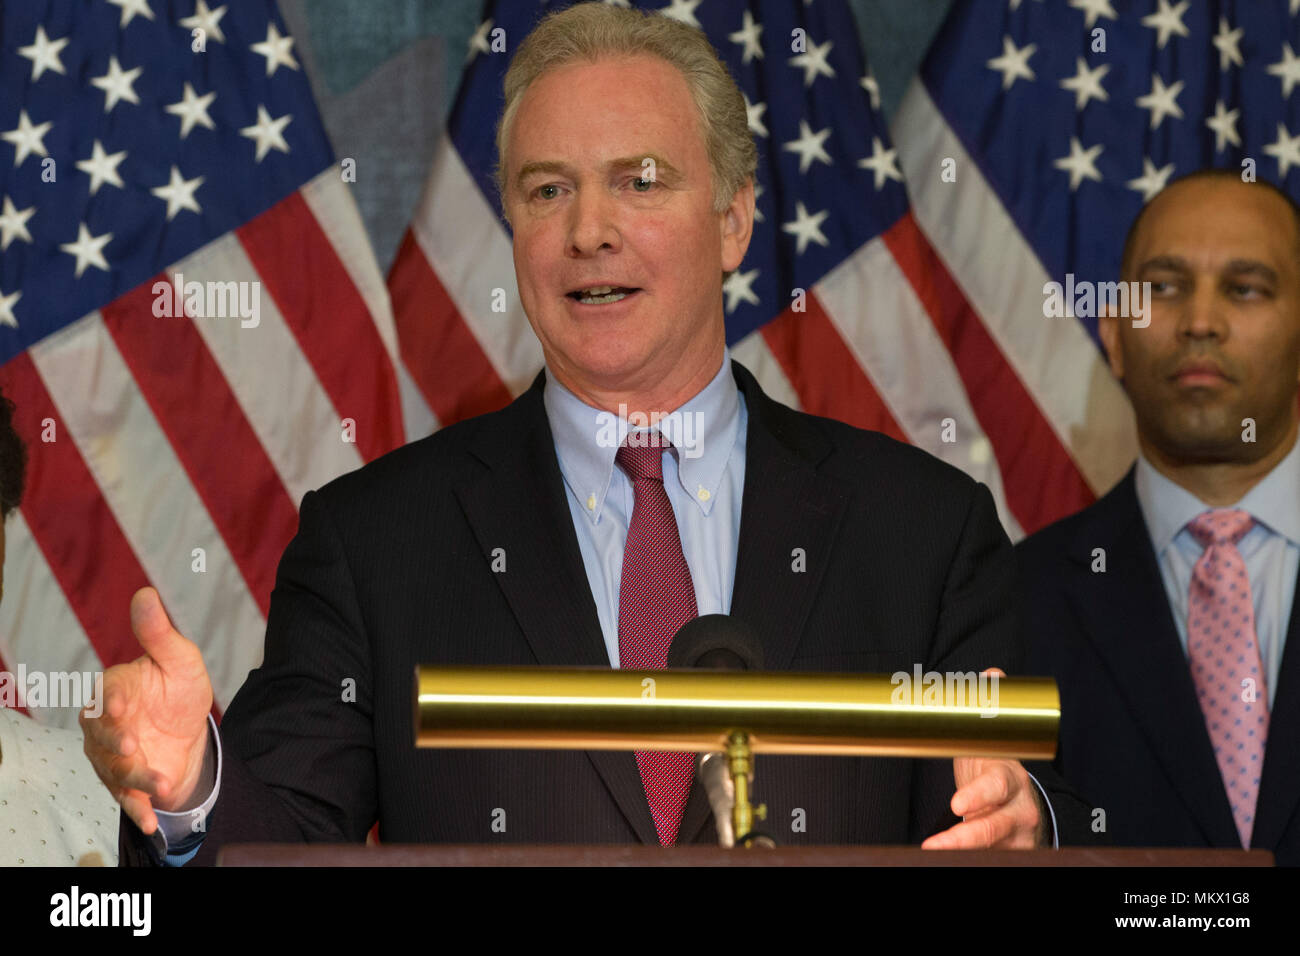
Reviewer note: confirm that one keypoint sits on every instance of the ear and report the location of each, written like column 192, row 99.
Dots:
column 737, row 226
column 1108, row 329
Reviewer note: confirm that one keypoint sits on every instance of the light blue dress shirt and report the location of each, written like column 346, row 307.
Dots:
column 704, row 480
column 704, row 477
column 1271, row 549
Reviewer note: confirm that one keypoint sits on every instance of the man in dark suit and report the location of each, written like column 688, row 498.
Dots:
column 528, row 536
column 1166, row 610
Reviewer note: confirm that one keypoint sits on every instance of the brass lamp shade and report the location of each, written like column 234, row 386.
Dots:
column 926, row 715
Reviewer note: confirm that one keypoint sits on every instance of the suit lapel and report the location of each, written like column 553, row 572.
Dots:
column 787, row 504
column 1279, row 789
column 1127, row 619
column 519, row 505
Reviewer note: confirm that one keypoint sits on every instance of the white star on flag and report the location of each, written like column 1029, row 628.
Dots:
column 740, row 287
column 1287, row 69
column 1086, row 83
column 1286, row 149
column 205, row 20
column 269, row 133
column 755, row 112
column 1228, row 43
column 117, row 84
column 179, row 193
column 132, row 9
column 683, row 11
column 44, row 54
column 478, row 43
column 806, row 228
column 27, row 138
column 1224, row 125
column 1167, row 21
column 882, row 162
column 102, row 168
column 192, row 109
column 809, row 146
column 1162, row 101
column 277, row 49
column 813, row 62
column 1013, row 64
column 869, row 84
column 1093, row 9
column 7, row 303
column 747, row 36
column 88, row 249
column 13, row 223
column 1081, row 163
column 1152, row 180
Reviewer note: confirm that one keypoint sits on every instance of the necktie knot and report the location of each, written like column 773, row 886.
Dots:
column 1221, row 526
column 644, row 459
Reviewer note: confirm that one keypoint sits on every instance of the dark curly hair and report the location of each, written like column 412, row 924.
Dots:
column 13, row 460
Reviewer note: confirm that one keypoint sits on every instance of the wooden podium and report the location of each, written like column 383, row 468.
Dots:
column 348, row 855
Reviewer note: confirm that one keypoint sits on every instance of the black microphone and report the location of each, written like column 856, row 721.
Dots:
column 720, row 642
column 716, row 641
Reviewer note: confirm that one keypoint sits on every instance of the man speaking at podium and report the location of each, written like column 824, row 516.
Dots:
column 530, row 536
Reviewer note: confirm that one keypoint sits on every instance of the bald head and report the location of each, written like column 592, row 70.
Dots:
column 1213, row 187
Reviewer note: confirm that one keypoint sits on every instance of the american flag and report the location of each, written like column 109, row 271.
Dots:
column 171, row 435
column 882, row 335
column 1061, row 119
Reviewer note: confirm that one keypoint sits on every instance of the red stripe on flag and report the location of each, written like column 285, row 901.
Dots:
column 70, row 521
column 449, row 366
column 824, row 373
column 302, row 272
column 206, row 427
column 4, row 668
column 1041, row 480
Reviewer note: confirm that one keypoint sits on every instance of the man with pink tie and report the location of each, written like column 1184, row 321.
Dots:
column 1166, row 610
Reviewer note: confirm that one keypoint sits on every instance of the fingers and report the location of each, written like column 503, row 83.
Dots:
column 978, row 834
column 994, row 786
column 137, row 806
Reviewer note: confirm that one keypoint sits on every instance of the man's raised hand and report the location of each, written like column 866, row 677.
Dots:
column 148, row 743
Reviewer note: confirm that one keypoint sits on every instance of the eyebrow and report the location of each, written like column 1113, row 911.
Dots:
column 550, row 166
column 1234, row 267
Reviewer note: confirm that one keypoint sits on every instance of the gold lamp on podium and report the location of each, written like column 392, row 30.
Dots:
column 738, row 713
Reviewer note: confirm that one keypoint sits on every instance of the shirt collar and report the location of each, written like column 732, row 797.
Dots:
column 1167, row 506
column 703, row 430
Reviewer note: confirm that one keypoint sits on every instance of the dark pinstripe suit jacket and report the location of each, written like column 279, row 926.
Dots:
column 1132, row 731
column 905, row 563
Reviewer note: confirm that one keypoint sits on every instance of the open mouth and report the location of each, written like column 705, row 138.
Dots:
column 602, row 294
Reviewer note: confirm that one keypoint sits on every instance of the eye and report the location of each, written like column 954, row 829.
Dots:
column 540, row 190
column 640, row 181
column 1241, row 290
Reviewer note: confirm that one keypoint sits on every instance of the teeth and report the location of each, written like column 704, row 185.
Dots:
column 598, row 290
column 587, row 299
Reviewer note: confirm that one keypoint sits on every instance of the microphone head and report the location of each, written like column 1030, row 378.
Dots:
column 716, row 641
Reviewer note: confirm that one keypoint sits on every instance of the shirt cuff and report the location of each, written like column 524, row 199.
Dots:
column 1056, row 844
column 180, row 833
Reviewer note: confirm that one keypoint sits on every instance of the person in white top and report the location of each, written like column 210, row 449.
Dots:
column 54, row 811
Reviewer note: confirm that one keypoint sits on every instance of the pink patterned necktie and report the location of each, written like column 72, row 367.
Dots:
column 655, row 598
column 1224, row 654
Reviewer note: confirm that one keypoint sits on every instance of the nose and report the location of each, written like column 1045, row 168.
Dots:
column 592, row 225
column 1202, row 317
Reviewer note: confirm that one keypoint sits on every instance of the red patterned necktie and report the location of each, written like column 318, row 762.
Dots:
column 1223, row 651
column 655, row 598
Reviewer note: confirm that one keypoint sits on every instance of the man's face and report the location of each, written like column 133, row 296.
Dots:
column 1224, row 340
column 586, row 212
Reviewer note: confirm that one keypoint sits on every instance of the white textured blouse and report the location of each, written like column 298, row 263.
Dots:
column 54, row 811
